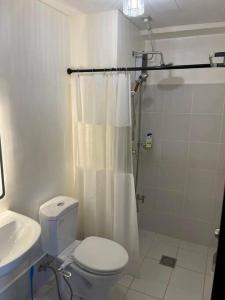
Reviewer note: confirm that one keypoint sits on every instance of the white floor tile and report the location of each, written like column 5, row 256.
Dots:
column 153, row 279
column 194, row 247
column 132, row 295
column 146, row 239
column 126, row 280
column 208, row 287
column 150, row 287
column 118, row 293
column 166, row 240
column 187, row 280
column 192, row 260
column 160, row 248
column 173, row 293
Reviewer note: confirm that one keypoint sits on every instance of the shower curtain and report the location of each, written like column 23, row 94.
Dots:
column 104, row 182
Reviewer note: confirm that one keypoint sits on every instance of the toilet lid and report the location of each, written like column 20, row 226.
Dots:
column 100, row 255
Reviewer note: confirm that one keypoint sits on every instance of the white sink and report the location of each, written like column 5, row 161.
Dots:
column 18, row 234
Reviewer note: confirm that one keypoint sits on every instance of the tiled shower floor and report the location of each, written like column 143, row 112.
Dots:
column 191, row 279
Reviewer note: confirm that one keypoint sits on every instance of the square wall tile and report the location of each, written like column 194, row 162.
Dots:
column 205, row 128
column 175, row 126
column 208, row 98
column 217, row 211
column 223, row 130
column 219, row 185
column 174, row 153
column 177, row 99
column 221, row 158
column 196, row 231
column 152, row 99
column 203, row 155
column 162, row 223
column 197, row 206
column 148, row 174
column 172, row 178
column 170, row 202
column 201, row 182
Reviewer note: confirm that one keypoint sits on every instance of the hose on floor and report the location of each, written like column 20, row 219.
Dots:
column 69, row 286
column 56, row 280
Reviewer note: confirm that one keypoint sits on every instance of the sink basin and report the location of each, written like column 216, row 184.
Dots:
column 18, row 234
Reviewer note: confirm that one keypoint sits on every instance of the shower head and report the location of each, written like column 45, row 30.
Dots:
column 142, row 78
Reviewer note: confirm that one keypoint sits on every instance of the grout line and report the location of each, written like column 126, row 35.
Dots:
column 181, row 114
column 142, row 293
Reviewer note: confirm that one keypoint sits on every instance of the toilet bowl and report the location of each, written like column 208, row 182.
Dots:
column 95, row 263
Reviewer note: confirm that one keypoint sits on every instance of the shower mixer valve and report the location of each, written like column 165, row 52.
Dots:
column 140, row 198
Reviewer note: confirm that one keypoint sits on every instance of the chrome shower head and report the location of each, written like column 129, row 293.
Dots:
column 142, row 78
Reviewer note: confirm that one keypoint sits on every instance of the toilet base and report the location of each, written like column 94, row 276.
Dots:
column 95, row 288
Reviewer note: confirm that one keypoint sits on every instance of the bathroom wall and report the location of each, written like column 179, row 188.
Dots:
column 34, row 117
column 183, row 175
column 34, row 107
column 104, row 39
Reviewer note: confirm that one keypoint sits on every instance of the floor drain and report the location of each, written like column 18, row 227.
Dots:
column 168, row 261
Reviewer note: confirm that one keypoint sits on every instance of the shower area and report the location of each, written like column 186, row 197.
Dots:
column 178, row 151
column 178, row 154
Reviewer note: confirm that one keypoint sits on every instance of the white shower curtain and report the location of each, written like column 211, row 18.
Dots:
column 104, row 182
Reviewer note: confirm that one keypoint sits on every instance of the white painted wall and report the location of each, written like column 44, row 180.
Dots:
column 34, row 107
column 94, row 40
column 104, row 39
column 128, row 40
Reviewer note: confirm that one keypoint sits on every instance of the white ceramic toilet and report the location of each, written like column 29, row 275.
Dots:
column 95, row 263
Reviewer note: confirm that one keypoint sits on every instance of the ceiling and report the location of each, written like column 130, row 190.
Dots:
column 164, row 12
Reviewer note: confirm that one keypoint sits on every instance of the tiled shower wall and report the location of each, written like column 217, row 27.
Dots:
column 182, row 177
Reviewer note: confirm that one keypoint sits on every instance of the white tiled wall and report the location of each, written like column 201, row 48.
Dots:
column 183, row 175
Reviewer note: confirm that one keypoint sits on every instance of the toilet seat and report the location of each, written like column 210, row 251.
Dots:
column 100, row 256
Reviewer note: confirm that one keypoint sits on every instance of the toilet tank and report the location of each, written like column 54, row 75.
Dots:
column 58, row 219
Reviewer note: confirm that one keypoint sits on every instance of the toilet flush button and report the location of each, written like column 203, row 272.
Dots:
column 60, row 204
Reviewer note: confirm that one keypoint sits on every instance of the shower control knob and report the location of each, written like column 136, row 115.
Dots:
column 142, row 198
column 217, row 233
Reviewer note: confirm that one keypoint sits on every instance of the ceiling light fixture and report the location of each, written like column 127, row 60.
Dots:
column 133, row 8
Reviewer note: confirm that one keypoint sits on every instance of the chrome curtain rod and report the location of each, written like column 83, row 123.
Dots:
column 157, row 68
column 212, row 64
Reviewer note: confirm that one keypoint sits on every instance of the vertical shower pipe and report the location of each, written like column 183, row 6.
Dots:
column 140, row 99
